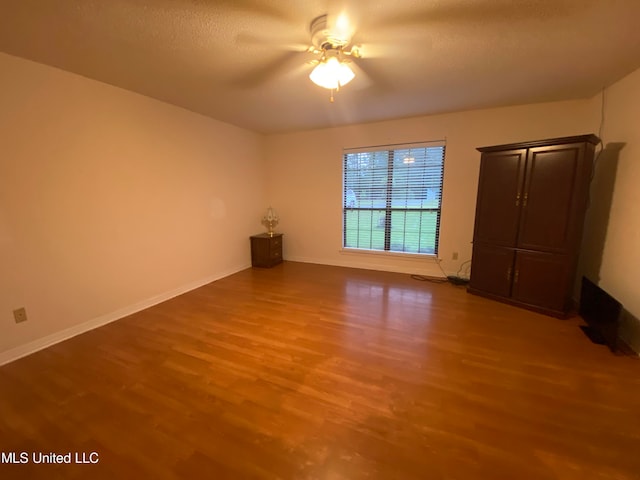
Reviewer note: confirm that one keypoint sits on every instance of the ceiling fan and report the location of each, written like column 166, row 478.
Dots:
column 331, row 45
column 332, row 69
column 384, row 31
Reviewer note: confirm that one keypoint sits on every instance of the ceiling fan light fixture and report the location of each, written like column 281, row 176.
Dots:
column 332, row 73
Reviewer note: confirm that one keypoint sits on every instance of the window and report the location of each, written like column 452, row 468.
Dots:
column 391, row 198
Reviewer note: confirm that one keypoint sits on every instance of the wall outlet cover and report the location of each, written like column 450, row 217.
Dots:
column 20, row 315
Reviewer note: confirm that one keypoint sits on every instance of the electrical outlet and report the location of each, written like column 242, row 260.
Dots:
column 20, row 315
column 454, row 256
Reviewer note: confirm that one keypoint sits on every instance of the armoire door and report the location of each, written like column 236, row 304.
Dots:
column 492, row 269
column 548, row 205
column 541, row 279
column 499, row 197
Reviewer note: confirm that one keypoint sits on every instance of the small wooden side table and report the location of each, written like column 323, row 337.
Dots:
column 266, row 250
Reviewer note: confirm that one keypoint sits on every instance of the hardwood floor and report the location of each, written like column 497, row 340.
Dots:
column 314, row 372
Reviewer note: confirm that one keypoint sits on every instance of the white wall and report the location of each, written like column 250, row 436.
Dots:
column 111, row 201
column 611, row 250
column 620, row 271
column 305, row 176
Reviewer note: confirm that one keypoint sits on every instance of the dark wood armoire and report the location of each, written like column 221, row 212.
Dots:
column 532, row 198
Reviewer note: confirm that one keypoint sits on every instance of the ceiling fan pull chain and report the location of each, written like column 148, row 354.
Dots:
column 331, row 98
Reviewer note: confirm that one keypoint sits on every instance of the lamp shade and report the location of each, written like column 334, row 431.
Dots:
column 332, row 74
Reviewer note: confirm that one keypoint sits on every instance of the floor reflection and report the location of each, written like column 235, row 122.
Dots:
column 392, row 320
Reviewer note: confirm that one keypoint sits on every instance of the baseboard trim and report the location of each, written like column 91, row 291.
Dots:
column 34, row 346
column 417, row 267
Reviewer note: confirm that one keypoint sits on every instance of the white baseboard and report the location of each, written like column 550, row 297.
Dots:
column 400, row 267
column 27, row 349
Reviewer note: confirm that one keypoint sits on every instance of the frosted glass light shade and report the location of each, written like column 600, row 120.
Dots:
column 331, row 74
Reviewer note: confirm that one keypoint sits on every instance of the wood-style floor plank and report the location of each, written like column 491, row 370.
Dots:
column 305, row 371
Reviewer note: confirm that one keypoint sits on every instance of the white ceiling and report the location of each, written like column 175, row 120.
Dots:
column 243, row 61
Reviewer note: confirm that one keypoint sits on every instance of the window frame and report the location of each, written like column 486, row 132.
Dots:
column 391, row 151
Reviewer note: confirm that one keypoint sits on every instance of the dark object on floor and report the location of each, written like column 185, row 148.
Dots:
column 457, row 280
column 602, row 313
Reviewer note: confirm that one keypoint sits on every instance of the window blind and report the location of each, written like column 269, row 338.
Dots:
column 392, row 197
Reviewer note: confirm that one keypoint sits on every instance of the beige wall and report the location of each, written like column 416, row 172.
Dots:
column 611, row 247
column 111, row 201
column 304, row 172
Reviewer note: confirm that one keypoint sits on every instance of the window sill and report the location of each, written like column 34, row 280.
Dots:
column 359, row 251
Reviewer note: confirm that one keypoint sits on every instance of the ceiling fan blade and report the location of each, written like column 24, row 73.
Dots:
column 366, row 77
column 362, row 79
column 391, row 48
column 255, row 7
column 271, row 43
column 283, row 65
column 495, row 10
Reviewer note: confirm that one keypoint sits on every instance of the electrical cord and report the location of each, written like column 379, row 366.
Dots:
column 596, row 157
column 422, row 278
column 452, row 279
column 462, row 265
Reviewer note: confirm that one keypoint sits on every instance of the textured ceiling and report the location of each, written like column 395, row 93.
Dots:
column 243, row 61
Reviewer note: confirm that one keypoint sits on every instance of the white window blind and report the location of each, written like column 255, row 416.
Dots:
column 392, row 197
